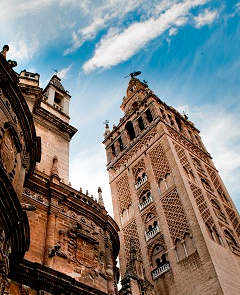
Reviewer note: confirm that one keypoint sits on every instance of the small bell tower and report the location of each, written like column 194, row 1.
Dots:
column 50, row 109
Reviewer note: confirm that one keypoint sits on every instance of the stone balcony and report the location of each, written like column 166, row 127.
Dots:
column 160, row 270
column 152, row 233
column 141, row 182
column 145, row 203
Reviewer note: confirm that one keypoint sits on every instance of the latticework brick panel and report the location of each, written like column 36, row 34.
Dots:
column 123, row 191
column 175, row 215
column 159, row 162
column 130, row 232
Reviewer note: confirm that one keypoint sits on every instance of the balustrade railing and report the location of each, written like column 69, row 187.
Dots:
column 152, row 233
column 160, row 270
column 141, row 182
column 145, row 203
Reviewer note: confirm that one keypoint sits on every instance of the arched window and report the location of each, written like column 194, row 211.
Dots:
column 179, row 123
column 180, row 251
column 162, row 186
column 230, row 240
column 149, row 116
column 158, row 256
column 165, row 183
column 140, row 123
column 189, row 244
column 169, row 180
column 217, row 210
column 120, row 143
column 113, row 150
column 130, row 130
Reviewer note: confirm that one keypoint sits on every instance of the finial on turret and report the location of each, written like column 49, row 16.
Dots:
column 100, row 198
column 185, row 115
column 107, row 131
column 5, row 50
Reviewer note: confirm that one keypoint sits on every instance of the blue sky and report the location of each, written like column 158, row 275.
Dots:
column 188, row 51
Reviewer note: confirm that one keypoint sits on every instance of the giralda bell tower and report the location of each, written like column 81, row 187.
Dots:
column 179, row 229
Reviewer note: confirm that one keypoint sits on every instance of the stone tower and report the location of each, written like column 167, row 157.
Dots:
column 73, row 241
column 170, row 202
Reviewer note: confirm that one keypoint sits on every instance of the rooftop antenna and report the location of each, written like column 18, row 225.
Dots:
column 134, row 74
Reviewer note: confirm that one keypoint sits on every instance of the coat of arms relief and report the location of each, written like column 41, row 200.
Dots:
column 80, row 246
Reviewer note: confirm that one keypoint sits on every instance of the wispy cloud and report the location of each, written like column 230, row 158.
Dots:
column 99, row 18
column 220, row 132
column 118, row 46
column 205, row 18
column 82, row 167
column 23, row 48
column 63, row 74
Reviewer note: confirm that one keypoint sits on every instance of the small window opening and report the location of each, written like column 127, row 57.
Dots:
column 149, row 116
column 57, row 98
column 120, row 143
column 113, row 150
column 140, row 123
column 130, row 130
column 179, row 123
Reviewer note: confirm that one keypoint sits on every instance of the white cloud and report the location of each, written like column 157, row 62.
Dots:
column 23, row 48
column 220, row 133
column 116, row 47
column 173, row 32
column 205, row 18
column 100, row 16
column 63, row 74
column 88, row 170
column 76, row 43
column 21, row 8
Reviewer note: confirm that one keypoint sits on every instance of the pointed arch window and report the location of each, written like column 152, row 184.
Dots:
column 149, row 115
column 234, row 247
column 130, row 130
column 160, row 261
column 140, row 123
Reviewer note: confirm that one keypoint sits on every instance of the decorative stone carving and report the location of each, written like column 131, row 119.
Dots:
column 159, row 162
column 24, row 290
column 175, row 215
column 123, row 190
column 83, row 246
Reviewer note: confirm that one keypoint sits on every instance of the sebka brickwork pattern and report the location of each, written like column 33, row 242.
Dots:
column 175, row 215
column 159, row 162
column 123, row 191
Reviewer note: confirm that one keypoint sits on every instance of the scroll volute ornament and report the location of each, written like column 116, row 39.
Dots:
column 10, row 146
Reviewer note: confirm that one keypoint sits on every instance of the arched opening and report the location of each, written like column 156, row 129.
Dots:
column 140, row 123
column 180, row 251
column 169, row 180
column 230, row 240
column 130, row 130
column 149, row 116
column 179, row 123
column 189, row 244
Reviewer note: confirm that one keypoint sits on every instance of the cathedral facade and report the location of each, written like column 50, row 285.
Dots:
column 179, row 229
column 54, row 239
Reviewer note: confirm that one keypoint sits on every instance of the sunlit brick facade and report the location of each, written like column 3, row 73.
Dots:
column 69, row 241
column 179, row 229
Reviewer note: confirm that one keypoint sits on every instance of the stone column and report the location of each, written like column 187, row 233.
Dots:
column 50, row 235
column 136, row 128
column 109, row 267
